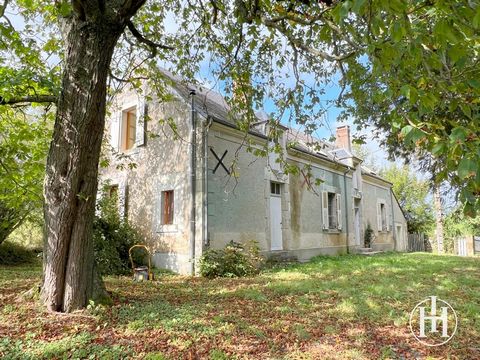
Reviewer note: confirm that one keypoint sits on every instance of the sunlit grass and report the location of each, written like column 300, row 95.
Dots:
column 333, row 307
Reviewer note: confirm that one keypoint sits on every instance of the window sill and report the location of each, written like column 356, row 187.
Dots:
column 165, row 229
column 131, row 151
column 332, row 231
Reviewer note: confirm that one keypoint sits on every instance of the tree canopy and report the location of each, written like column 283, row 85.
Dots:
column 409, row 68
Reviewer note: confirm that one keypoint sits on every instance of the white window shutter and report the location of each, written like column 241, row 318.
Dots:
column 325, row 209
column 379, row 216
column 140, row 128
column 115, row 130
column 122, row 199
column 387, row 216
column 339, row 211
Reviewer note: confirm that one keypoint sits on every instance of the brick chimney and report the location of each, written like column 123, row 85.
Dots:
column 343, row 138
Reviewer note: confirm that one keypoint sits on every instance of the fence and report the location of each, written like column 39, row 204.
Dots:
column 467, row 245
column 416, row 242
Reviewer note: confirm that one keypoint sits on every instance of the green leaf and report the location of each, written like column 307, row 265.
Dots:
column 466, row 110
column 467, row 168
column 474, row 83
column 438, row 149
column 476, row 18
column 458, row 134
column 358, row 6
column 412, row 134
column 398, row 31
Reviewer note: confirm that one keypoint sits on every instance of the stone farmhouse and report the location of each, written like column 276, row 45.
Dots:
column 195, row 186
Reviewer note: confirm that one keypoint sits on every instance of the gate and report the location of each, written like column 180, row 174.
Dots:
column 416, row 242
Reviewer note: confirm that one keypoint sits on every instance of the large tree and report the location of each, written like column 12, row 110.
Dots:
column 284, row 51
column 419, row 84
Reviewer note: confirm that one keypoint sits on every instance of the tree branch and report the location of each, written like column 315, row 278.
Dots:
column 3, row 7
column 29, row 99
column 301, row 45
column 153, row 46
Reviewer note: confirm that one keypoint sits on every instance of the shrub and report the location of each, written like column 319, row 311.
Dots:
column 234, row 260
column 112, row 239
column 14, row 254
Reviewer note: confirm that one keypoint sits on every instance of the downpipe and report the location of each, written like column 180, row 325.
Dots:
column 193, row 184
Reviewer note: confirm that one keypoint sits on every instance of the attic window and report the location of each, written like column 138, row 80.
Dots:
column 275, row 188
column 129, row 128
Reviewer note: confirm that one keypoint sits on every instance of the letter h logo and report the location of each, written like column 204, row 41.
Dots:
column 433, row 318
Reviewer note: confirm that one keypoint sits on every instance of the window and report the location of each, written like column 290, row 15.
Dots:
column 382, row 216
column 275, row 188
column 167, row 207
column 129, row 129
column 331, row 211
column 383, row 213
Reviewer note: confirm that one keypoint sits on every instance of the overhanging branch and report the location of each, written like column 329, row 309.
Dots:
column 152, row 45
column 29, row 99
column 301, row 45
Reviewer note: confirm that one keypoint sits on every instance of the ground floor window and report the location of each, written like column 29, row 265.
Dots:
column 331, row 208
column 167, row 207
column 382, row 216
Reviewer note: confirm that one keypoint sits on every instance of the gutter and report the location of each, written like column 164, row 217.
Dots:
column 193, row 184
column 393, row 222
column 346, row 209
column 208, row 123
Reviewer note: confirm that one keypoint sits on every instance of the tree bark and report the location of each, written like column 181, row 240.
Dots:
column 438, row 218
column 72, row 164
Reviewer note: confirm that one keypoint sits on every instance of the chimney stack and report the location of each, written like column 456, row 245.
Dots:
column 343, row 138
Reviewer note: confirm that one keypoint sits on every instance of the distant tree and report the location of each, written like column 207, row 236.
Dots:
column 24, row 141
column 368, row 158
column 413, row 195
column 456, row 225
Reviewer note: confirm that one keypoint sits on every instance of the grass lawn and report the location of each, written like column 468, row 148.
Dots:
column 346, row 307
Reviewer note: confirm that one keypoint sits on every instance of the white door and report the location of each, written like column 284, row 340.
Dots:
column 276, row 217
column 357, row 226
column 399, row 236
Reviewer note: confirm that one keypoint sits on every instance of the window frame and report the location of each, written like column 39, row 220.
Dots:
column 167, row 213
column 126, row 128
column 332, row 210
column 275, row 188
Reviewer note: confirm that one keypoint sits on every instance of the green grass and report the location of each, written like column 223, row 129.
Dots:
column 346, row 307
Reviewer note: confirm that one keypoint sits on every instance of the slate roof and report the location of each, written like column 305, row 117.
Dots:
column 210, row 103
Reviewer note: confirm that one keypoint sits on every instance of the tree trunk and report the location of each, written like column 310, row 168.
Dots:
column 438, row 218
column 72, row 164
